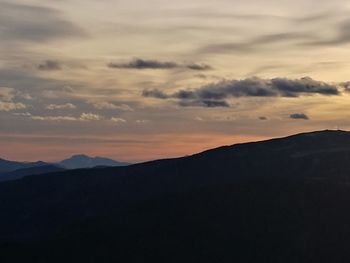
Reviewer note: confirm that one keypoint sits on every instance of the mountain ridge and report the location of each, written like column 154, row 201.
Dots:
column 12, row 170
column 251, row 202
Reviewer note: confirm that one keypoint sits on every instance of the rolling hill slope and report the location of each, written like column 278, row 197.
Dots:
column 281, row 200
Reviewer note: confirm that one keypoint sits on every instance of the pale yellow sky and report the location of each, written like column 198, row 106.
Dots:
column 139, row 80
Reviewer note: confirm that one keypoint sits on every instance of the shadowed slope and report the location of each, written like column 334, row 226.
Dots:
column 282, row 200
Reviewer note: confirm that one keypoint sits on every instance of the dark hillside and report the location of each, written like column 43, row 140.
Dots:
column 282, row 200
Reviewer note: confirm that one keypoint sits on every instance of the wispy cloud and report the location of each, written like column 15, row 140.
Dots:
column 340, row 36
column 50, row 65
column 61, row 106
column 10, row 106
column 21, row 22
column 54, row 118
column 90, row 117
column 258, row 42
column 118, row 120
column 82, row 117
column 7, row 94
column 104, row 105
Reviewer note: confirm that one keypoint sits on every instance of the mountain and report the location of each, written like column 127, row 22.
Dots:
column 9, row 166
column 11, row 170
column 84, row 161
column 281, row 200
column 20, row 173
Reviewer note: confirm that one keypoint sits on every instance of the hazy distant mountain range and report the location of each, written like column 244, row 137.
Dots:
column 11, row 170
column 282, row 200
column 9, row 166
column 84, row 161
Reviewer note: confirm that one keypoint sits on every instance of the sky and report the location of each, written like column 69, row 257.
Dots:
column 139, row 80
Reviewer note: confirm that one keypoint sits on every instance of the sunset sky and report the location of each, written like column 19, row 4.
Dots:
column 138, row 80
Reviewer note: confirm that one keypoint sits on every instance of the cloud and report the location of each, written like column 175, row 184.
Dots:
column 21, row 22
column 82, row 117
column 54, row 118
column 257, row 42
column 144, row 64
column 90, row 117
column 155, row 93
column 187, row 98
column 110, row 106
column 119, row 120
column 254, row 17
column 23, row 114
column 142, row 121
column 10, row 106
column 50, row 65
column 299, row 116
column 263, row 118
column 10, row 94
column 27, row 85
column 199, row 119
column 7, row 94
column 204, row 103
column 342, row 36
column 196, row 66
column 155, row 64
column 25, row 96
column 303, row 86
column 61, row 106
column 216, row 94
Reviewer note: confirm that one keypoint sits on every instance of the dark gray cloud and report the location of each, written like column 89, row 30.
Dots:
column 216, row 94
column 299, row 116
column 195, row 66
column 345, row 85
column 155, row 64
column 144, row 64
column 294, row 88
column 186, row 98
column 204, row 103
column 50, row 65
column 20, row 22
column 155, row 93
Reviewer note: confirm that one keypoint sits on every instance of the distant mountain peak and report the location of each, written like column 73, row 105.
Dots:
column 81, row 156
column 78, row 161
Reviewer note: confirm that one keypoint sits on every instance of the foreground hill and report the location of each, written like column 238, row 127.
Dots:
column 282, row 200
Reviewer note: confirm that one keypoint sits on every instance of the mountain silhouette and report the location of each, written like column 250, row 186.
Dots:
column 84, row 161
column 280, row 200
column 20, row 173
column 9, row 166
column 12, row 170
